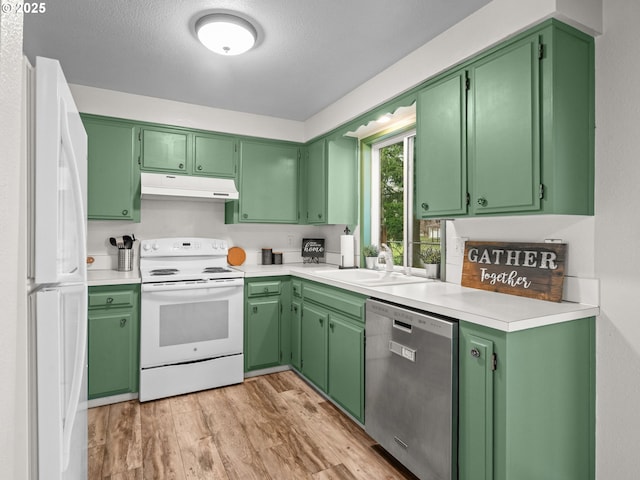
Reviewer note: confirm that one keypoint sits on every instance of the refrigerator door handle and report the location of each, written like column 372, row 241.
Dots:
column 76, row 385
column 67, row 143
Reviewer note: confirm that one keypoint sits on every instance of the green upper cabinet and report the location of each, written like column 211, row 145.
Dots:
column 527, row 402
column 214, row 155
column 268, row 182
column 510, row 131
column 330, row 185
column 113, row 176
column 503, row 130
column 165, row 149
column 441, row 149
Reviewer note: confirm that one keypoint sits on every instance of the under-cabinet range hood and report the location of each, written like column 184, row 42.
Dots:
column 156, row 185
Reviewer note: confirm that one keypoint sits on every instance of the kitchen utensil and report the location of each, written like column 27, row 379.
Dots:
column 128, row 241
column 113, row 241
column 236, row 256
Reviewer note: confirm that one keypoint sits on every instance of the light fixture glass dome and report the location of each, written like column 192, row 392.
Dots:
column 226, row 34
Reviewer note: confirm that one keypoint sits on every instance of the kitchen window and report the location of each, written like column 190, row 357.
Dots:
column 392, row 216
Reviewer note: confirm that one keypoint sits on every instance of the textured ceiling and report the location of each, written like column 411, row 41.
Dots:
column 309, row 52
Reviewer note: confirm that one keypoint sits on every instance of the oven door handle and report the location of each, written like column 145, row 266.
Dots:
column 200, row 285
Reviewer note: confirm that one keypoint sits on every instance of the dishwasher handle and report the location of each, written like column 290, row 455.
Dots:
column 402, row 351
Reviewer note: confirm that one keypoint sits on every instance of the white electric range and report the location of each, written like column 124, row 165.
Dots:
column 191, row 327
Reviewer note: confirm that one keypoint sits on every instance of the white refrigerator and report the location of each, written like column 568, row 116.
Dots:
column 57, row 275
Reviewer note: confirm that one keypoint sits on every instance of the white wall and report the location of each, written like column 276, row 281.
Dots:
column 617, row 227
column 13, row 339
column 190, row 218
column 491, row 24
column 138, row 107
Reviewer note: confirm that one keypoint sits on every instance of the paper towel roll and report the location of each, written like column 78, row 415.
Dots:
column 347, row 248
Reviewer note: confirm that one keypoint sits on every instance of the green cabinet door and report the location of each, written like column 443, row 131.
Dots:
column 441, row 148
column 342, row 180
column 475, row 445
column 165, row 149
column 214, row 155
column 112, row 353
column 504, row 130
column 262, row 334
column 530, row 412
column 113, row 173
column 331, row 181
column 314, row 344
column 113, row 340
column 346, row 364
column 296, row 328
column 316, row 183
column 268, row 182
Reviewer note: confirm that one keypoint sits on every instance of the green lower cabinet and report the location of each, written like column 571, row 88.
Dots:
column 313, row 340
column 113, row 341
column 262, row 333
column 332, row 344
column 346, row 364
column 267, row 329
column 529, row 412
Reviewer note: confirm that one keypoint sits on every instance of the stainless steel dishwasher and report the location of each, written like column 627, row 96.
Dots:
column 411, row 402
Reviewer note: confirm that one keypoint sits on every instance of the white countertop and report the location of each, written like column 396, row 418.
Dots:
column 508, row 313
column 97, row 277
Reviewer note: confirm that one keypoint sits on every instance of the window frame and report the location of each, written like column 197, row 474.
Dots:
column 372, row 197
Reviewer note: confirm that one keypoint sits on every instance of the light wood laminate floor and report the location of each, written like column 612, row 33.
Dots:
column 269, row 427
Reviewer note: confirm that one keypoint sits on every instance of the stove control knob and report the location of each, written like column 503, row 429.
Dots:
column 155, row 247
column 223, row 245
column 146, row 247
column 215, row 245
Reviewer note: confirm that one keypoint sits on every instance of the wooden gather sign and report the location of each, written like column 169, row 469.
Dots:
column 533, row 270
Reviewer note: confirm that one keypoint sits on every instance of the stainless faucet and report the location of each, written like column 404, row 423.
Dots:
column 388, row 257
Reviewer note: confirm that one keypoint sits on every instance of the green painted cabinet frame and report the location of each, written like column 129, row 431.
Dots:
column 113, row 340
column 533, row 416
column 113, row 173
column 510, row 131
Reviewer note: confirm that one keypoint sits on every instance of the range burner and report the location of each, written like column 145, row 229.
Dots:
column 215, row 270
column 163, row 271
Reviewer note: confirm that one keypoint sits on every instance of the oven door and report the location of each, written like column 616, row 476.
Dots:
column 190, row 321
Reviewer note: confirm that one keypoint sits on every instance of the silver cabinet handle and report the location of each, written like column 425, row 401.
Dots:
column 110, row 300
column 475, row 353
column 482, row 202
column 123, row 322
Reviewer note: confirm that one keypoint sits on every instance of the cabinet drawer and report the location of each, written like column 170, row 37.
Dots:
column 255, row 289
column 111, row 299
column 344, row 302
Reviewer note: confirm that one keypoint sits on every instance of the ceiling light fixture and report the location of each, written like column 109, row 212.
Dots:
column 226, row 34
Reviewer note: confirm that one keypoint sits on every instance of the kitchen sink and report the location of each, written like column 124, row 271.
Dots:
column 368, row 278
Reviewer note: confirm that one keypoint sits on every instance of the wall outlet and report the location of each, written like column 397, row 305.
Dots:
column 290, row 240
